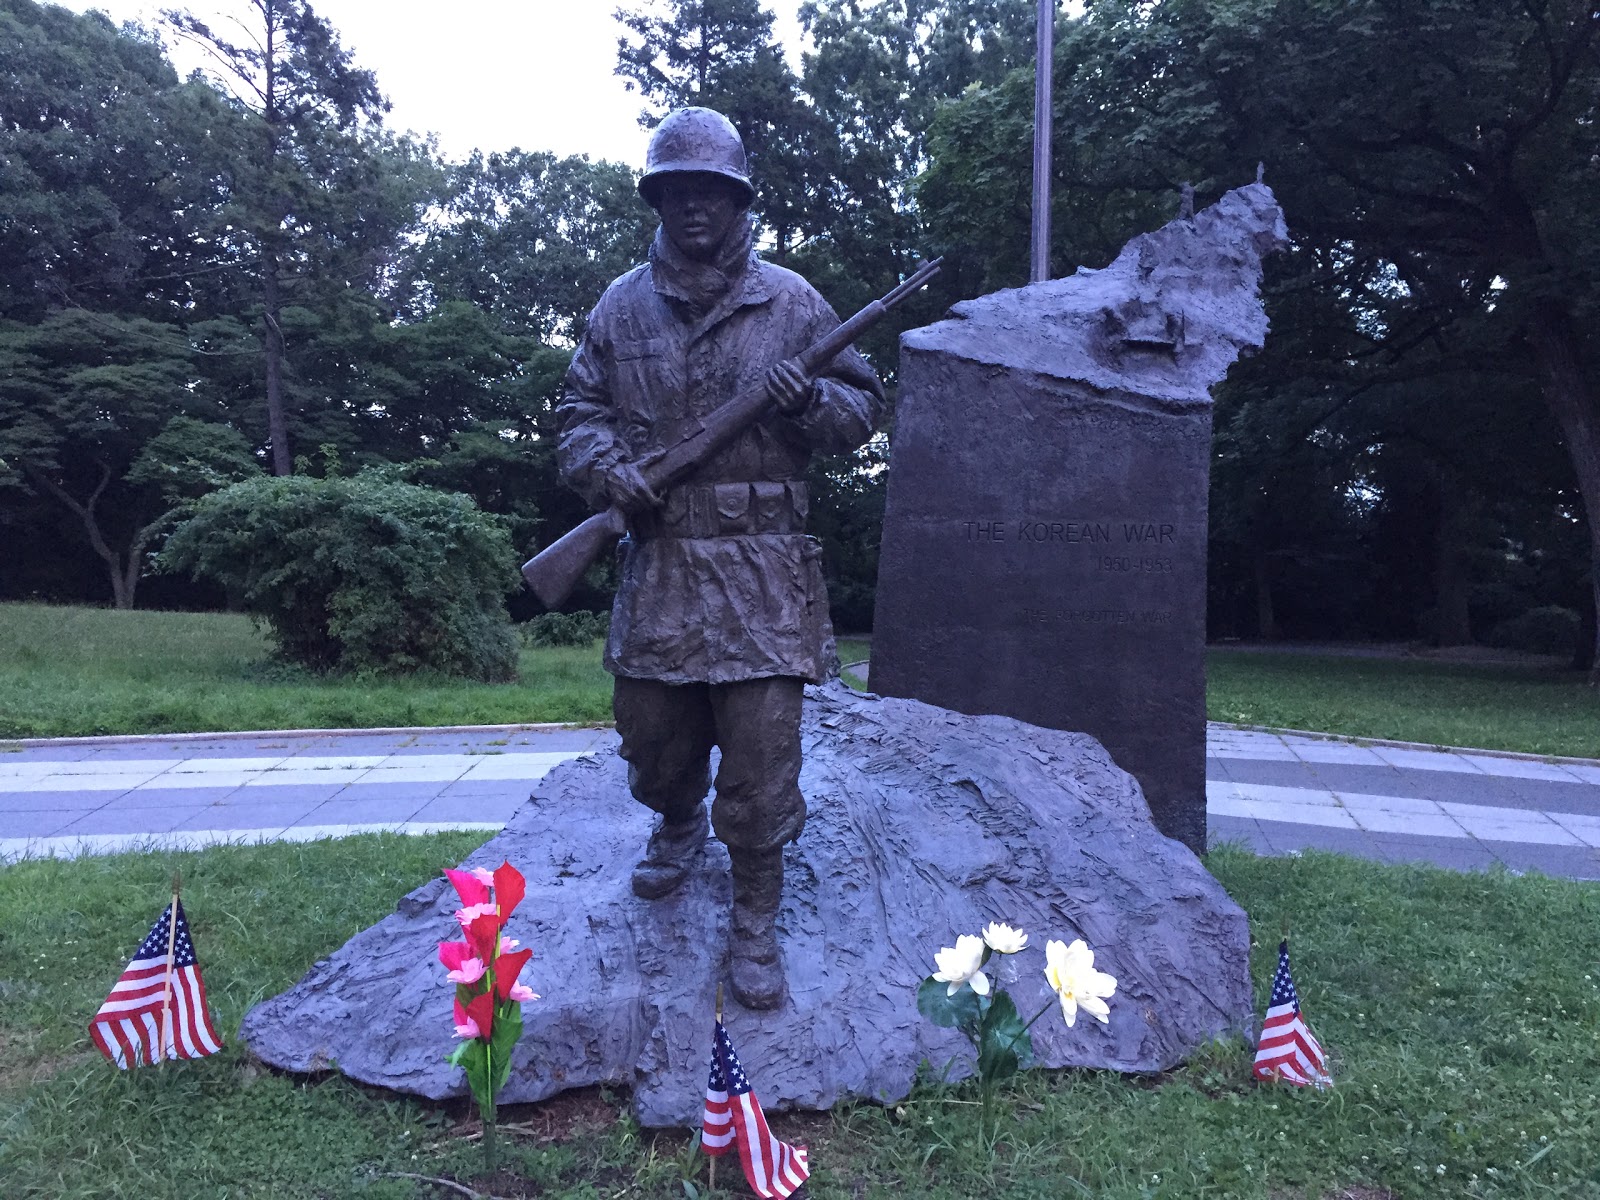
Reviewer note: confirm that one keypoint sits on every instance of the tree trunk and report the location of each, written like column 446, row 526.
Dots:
column 277, row 427
column 1573, row 403
column 1266, row 619
column 1450, row 578
column 1583, row 652
column 123, row 573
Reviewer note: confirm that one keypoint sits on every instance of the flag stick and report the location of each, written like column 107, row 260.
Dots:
column 166, row 995
column 711, row 1183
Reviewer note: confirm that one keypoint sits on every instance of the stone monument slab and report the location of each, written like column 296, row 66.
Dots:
column 1044, row 542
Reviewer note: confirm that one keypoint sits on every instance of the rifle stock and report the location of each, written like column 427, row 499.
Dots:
column 555, row 570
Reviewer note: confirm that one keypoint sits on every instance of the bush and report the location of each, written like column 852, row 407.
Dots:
column 566, row 629
column 1548, row 630
column 360, row 574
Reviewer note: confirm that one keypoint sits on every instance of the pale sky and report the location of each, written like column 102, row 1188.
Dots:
column 489, row 74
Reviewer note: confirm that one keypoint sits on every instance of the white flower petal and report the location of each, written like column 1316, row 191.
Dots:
column 1003, row 939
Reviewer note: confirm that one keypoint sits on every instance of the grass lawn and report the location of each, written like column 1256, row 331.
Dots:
column 76, row 671
column 1537, row 710
column 1460, row 1013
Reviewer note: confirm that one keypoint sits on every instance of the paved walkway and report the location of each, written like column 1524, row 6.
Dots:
column 1277, row 793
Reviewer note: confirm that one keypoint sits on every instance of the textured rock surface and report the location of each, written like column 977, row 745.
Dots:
column 924, row 824
column 1044, row 544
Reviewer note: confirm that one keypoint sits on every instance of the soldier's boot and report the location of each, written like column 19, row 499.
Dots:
column 674, row 849
column 757, row 966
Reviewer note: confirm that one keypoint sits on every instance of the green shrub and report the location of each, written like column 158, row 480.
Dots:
column 360, row 574
column 1547, row 630
column 566, row 629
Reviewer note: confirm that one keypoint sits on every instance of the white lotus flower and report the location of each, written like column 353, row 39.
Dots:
column 1071, row 975
column 961, row 964
column 1003, row 939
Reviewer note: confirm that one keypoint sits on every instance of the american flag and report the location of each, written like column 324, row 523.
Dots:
column 1287, row 1050
column 129, row 1026
column 733, row 1114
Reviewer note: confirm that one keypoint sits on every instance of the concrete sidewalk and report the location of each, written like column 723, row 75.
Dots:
column 1275, row 792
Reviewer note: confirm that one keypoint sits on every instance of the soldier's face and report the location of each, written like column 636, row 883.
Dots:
column 697, row 212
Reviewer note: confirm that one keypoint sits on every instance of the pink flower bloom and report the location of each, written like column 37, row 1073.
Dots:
column 471, row 889
column 453, row 954
column 509, row 888
column 483, row 875
column 483, row 935
column 521, row 992
column 507, row 970
column 466, row 1023
column 466, row 916
column 507, row 945
column 470, row 971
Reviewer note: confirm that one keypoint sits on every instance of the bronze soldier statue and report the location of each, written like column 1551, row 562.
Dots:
column 721, row 616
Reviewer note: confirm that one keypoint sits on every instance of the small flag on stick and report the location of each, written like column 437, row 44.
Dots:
column 1287, row 1050
column 158, row 1008
column 733, row 1115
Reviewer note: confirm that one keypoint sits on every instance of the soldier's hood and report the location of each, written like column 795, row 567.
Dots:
column 703, row 285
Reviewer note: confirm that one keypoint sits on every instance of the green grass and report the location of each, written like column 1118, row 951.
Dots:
column 78, row 671
column 1460, row 1012
column 1536, row 710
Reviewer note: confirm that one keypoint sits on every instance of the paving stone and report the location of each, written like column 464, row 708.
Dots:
column 1571, row 862
column 266, row 817
column 1552, row 796
column 1456, row 854
column 39, row 822
column 260, row 793
column 472, row 808
column 1490, row 824
column 1285, row 838
column 153, row 799
column 387, row 811
column 51, row 801
column 1288, row 772
column 400, row 794
column 112, row 819
column 1244, row 831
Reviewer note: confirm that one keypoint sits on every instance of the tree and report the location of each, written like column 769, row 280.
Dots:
column 317, row 194
column 98, row 415
column 722, row 54
column 1430, row 154
column 102, row 189
column 531, row 239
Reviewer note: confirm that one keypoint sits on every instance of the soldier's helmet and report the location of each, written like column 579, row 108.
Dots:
column 694, row 140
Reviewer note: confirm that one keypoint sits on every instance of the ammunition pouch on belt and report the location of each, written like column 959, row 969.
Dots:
column 726, row 510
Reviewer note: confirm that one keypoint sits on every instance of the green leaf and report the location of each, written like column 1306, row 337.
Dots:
column 507, row 1030
column 1004, row 1043
column 472, row 1057
column 960, row 1011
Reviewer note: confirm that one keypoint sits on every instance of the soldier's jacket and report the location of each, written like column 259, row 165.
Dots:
column 720, row 584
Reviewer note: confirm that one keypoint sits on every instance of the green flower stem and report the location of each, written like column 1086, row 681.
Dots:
column 1049, row 1004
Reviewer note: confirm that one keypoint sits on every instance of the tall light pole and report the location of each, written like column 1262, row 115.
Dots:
column 1041, row 142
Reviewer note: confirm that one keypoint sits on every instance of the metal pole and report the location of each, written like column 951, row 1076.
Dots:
column 1041, row 142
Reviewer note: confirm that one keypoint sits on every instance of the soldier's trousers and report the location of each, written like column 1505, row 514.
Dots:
column 667, row 734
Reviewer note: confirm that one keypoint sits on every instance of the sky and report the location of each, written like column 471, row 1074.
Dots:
column 486, row 74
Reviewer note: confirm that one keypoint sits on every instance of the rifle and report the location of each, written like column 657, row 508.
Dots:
column 555, row 570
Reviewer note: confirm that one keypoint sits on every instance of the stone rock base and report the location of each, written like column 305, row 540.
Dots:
column 924, row 824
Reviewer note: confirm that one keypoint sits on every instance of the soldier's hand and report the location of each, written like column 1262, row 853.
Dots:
column 628, row 490
column 789, row 386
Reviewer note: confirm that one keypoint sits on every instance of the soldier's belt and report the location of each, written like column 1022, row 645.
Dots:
column 726, row 510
